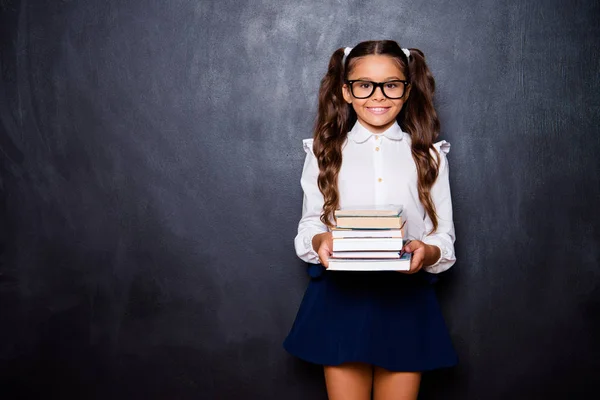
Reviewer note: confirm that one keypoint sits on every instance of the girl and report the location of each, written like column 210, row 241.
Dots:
column 375, row 332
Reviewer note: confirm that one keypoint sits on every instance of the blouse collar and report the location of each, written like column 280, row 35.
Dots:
column 360, row 134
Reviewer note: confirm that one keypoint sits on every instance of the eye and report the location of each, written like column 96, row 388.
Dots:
column 391, row 85
column 364, row 85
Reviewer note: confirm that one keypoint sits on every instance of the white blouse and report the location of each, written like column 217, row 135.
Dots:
column 379, row 169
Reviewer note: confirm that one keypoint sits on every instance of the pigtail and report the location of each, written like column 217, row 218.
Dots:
column 419, row 118
column 330, row 132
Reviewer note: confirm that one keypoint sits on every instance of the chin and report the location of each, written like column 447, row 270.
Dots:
column 380, row 124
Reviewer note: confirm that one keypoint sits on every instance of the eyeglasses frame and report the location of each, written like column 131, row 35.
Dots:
column 377, row 85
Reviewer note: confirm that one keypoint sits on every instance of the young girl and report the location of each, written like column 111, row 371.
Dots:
column 375, row 332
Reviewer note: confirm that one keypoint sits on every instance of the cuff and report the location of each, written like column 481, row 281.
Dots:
column 445, row 255
column 315, row 269
column 312, row 256
column 435, row 264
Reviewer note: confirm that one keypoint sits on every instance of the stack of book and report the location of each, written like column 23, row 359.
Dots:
column 369, row 239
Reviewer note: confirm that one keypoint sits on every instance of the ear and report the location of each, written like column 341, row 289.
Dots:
column 347, row 94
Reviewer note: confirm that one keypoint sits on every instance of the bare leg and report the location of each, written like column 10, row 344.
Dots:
column 389, row 385
column 349, row 381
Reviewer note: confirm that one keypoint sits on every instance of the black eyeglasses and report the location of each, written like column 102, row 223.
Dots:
column 391, row 89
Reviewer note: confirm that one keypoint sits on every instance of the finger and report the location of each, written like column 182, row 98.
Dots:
column 410, row 246
column 413, row 245
column 416, row 262
column 324, row 257
column 417, row 258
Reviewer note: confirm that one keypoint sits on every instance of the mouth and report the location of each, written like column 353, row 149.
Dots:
column 378, row 110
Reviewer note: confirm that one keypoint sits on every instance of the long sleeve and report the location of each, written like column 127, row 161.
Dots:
column 310, row 224
column 444, row 236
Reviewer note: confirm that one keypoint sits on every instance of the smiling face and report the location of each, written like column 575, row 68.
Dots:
column 376, row 113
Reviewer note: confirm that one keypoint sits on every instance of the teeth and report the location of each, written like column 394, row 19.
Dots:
column 377, row 109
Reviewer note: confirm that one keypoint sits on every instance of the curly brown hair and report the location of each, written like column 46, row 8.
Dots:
column 335, row 117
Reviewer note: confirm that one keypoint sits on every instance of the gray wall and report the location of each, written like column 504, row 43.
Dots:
column 150, row 164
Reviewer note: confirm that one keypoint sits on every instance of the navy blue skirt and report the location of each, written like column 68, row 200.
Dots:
column 388, row 319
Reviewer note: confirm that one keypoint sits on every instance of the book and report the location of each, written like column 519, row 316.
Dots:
column 338, row 233
column 366, row 254
column 369, row 222
column 388, row 216
column 368, row 244
column 402, row 264
column 388, row 210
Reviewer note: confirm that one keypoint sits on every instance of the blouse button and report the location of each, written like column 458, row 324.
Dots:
column 376, row 148
column 379, row 180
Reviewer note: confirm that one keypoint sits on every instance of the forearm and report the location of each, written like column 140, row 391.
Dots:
column 317, row 240
column 432, row 255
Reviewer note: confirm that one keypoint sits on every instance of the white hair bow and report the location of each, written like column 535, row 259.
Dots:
column 347, row 51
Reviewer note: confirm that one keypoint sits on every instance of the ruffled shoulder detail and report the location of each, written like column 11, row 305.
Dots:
column 442, row 147
column 308, row 145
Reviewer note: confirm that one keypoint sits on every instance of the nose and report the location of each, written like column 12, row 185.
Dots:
column 378, row 94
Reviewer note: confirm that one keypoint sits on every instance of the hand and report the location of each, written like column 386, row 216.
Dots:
column 422, row 255
column 323, row 245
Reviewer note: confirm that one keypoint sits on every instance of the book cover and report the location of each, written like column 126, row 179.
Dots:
column 402, row 264
column 383, row 222
column 389, row 210
column 366, row 254
column 367, row 244
column 338, row 233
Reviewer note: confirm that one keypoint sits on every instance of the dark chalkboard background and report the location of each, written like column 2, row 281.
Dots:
column 149, row 175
